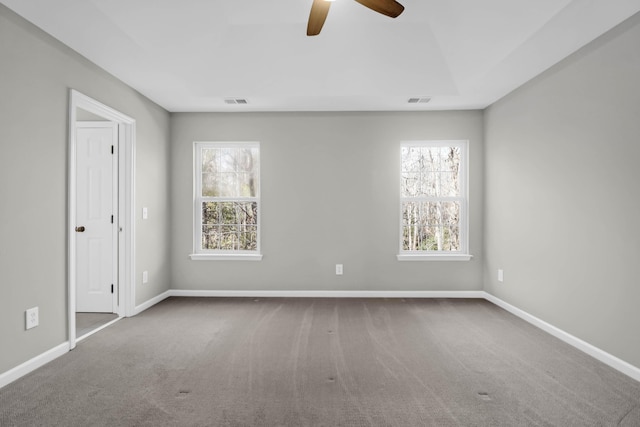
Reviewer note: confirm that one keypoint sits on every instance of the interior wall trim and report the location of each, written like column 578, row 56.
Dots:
column 32, row 364
column 593, row 351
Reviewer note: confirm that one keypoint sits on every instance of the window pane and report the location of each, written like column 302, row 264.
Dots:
column 430, row 171
column 411, row 159
column 210, row 237
column 228, row 159
column 228, row 237
column 210, row 185
column 249, row 238
column 210, row 213
column 210, row 160
column 451, row 238
column 247, row 213
column 440, row 213
column 410, row 184
column 227, row 184
column 449, row 184
column 230, row 172
column 431, row 226
column 230, row 225
column 430, row 159
column 430, row 184
column 248, row 185
column 431, row 238
column 228, row 213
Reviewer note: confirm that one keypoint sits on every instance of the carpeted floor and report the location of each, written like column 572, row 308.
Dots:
column 87, row 322
column 322, row 362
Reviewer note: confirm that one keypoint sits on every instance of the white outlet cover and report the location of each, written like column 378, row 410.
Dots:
column 339, row 269
column 145, row 276
column 500, row 276
column 32, row 318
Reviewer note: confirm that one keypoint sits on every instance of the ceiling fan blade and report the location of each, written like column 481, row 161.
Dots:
column 386, row 7
column 319, row 12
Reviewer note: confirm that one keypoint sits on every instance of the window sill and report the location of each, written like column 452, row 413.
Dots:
column 226, row 257
column 434, row 257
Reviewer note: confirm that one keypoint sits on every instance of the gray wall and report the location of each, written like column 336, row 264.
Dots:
column 330, row 194
column 36, row 73
column 562, row 199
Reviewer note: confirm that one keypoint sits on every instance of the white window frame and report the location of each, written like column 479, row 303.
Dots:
column 462, row 254
column 200, row 254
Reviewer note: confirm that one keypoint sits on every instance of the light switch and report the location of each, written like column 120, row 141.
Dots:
column 145, row 213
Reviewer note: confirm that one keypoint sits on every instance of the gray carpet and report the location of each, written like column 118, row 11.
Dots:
column 87, row 322
column 322, row 362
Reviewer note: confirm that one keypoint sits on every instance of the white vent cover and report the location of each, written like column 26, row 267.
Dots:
column 421, row 100
column 235, row 101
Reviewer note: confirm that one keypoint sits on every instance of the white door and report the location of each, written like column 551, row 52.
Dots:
column 96, row 234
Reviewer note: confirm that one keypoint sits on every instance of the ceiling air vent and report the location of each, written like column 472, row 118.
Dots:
column 422, row 100
column 234, row 101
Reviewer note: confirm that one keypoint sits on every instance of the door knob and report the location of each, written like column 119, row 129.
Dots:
column 80, row 229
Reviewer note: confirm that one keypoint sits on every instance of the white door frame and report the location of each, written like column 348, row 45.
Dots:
column 126, row 206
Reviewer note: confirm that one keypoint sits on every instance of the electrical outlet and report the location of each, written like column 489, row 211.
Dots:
column 500, row 275
column 31, row 316
column 145, row 276
column 339, row 269
column 145, row 213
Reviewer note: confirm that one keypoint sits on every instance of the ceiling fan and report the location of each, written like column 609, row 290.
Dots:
column 320, row 10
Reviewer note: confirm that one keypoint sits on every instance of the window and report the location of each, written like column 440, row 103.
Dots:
column 227, row 200
column 433, row 201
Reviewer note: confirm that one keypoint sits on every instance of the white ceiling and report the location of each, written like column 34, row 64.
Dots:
column 189, row 55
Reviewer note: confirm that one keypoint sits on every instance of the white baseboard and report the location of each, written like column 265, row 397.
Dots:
column 593, row 351
column 329, row 294
column 32, row 364
column 150, row 303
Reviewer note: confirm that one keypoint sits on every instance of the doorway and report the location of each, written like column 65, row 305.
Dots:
column 101, row 219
